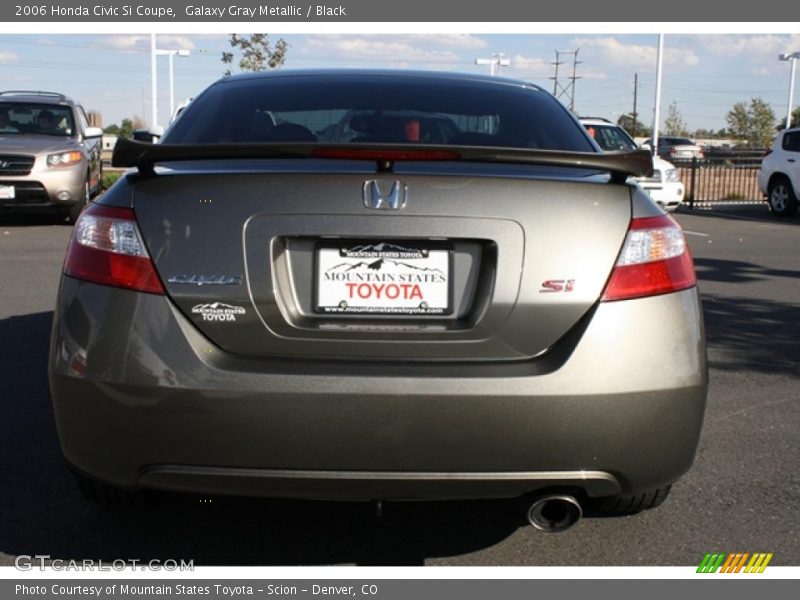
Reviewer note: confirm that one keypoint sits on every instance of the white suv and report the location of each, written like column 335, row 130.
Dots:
column 664, row 187
column 779, row 176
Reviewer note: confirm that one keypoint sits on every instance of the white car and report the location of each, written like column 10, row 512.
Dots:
column 779, row 176
column 664, row 187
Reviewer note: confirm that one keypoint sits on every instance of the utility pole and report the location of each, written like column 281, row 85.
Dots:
column 635, row 90
column 557, row 64
column 568, row 90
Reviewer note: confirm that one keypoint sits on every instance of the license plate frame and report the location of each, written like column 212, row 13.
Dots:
column 426, row 264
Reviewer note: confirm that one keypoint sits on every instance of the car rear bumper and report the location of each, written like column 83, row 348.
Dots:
column 668, row 195
column 141, row 399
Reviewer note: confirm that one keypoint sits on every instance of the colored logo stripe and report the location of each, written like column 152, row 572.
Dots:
column 734, row 562
column 711, row 563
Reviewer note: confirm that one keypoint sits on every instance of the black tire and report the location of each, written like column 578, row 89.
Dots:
column 628, row 505
column 76, row 209
column 781, row 197
column 109, row 496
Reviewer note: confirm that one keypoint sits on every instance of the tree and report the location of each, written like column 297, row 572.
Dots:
column 754, row 123
column 763, row 124
column 634, row 128
column 738, row 120
column 795, row 120
column 138, row 123
column 257, row 55
column 674, row 123
column 123, row 130
column 704, row 133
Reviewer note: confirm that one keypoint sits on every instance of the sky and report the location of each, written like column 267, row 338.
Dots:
column 704, row 75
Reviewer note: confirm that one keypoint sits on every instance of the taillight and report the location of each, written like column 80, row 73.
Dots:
column 107, row 248
column 655, row 259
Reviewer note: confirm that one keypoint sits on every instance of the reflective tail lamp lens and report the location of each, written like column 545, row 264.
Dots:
column 654, row 259
column 107, row 248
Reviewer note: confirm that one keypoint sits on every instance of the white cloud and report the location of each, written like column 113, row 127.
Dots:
column 633, row 56
column 453, row 40
column 386, row 48
column 137, row 43
column 753, row 46
column 8, row 57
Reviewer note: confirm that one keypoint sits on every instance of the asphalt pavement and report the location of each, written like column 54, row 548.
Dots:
column 741, row 495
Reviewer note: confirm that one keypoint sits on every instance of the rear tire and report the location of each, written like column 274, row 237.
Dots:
column 109, row 496
column 628, row 505
column 781, row 197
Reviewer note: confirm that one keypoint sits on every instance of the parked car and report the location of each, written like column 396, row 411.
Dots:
column 676, row 148
column 502, row 315
column 50, row 159
column 779, row 175
column 664, row 186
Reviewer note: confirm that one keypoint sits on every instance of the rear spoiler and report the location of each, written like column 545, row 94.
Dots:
column 144, row 156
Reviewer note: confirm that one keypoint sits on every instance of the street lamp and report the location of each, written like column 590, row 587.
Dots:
column 792, row 58
column 498, row 60
column 172, row 54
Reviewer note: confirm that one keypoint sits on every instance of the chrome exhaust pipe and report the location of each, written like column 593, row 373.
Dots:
column 554, row 514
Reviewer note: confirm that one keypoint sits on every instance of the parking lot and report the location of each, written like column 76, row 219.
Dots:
column 741, row 496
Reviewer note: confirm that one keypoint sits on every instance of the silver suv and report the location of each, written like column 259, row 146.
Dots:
column 49, row 156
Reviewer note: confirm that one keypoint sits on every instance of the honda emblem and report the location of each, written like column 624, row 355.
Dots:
column 373, row 197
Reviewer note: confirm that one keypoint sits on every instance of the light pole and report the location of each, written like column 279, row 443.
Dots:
column 792, row 58
column 498, row 60
column 153, row 82
column 171, row 54
column 657, row 112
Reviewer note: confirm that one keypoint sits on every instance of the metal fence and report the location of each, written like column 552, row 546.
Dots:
column 722, row 176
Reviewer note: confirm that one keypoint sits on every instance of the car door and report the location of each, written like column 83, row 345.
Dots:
column 791, row 158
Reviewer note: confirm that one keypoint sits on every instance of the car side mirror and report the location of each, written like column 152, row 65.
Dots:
column 93, row 132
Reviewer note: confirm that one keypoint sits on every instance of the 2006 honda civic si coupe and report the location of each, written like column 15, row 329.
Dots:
column 380, row 285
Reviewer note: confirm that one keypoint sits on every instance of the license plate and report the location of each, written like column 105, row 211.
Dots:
column 7, row 192
column 387, row 278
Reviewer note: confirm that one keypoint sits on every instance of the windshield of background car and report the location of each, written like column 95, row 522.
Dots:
column 35, row 118
column 374, row 110
column 612, row 138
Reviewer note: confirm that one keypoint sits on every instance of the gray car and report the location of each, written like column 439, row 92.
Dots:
column 250, row 311
column 50, row 158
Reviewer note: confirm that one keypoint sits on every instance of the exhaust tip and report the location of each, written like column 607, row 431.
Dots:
column 554, row 514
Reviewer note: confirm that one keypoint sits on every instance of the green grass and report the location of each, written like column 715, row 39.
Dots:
column 109, row 178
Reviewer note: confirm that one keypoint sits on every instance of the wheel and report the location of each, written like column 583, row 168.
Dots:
column 628, row 505
column 76, row 209
column 781, row 197
column 109, row 496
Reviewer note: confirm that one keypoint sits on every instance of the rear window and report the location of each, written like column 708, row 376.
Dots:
column 791, row 141
column 344, row 109
column 611, row 138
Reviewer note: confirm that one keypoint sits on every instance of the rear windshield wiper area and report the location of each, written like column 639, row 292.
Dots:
column 620, row 165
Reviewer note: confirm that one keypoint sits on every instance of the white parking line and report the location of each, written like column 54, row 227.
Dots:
column 695, row 233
